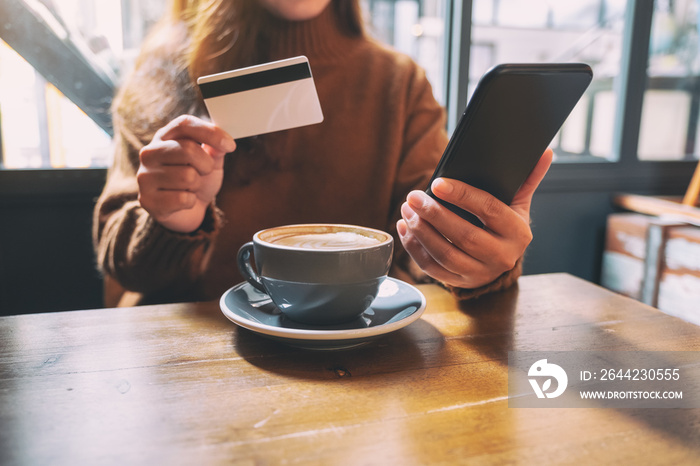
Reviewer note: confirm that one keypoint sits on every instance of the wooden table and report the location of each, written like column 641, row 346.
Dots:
column 180, row 384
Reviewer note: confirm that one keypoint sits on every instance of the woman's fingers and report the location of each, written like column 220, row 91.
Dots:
column 162, row 204
column 455, row 251
column 485, row 245
column 196, row 129
column 496, row 216
column 181, row 171
column 452, row 249
column 182, row 152
column 471, row 274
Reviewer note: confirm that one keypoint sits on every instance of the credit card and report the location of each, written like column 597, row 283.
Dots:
column 263, row 98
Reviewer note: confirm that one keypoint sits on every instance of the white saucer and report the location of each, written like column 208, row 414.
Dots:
column 397, row 305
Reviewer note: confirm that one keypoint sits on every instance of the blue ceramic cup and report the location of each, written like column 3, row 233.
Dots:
column 319, row 274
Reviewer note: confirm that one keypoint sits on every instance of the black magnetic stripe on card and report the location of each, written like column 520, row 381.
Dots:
column 256, row 80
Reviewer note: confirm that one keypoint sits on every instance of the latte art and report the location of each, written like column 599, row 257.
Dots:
column 334, row 240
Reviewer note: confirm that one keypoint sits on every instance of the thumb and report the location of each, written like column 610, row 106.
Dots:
column 523, row 198
column 217, row 155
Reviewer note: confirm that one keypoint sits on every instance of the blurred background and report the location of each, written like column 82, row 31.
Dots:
column 634, row 130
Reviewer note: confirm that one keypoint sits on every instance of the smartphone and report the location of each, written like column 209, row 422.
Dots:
column 510, row 120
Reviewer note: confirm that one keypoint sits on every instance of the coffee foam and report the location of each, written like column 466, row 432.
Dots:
column 332, row 240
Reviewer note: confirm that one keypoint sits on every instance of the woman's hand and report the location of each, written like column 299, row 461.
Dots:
column 181, row 171
column 456, row 252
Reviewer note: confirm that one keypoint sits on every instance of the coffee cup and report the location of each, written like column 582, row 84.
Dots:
column 319, row 274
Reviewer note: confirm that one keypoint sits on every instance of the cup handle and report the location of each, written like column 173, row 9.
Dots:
column 246, row 269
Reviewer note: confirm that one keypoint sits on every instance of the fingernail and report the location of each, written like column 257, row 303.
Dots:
column 440, row 185
column 415, row 200
column 401, row 228
column 407, row 212
column 228, row 144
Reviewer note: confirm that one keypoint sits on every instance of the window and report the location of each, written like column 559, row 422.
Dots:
column 669, row 121
column 417, row 28
column 588, row 31
column 42, row 128
column 639, row 116
column 56, row 83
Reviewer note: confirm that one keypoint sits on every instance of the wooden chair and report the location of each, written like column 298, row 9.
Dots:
column 686, row 209
column 693, row 191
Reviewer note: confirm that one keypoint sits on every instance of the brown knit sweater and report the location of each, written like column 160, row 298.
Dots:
column 382, row 135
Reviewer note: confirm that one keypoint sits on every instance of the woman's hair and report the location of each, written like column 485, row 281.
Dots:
column 227, row 33
column 195, row 38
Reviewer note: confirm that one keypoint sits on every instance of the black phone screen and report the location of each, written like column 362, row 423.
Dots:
column 512, row 117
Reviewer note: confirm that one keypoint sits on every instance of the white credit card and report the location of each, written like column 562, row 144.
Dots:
column 263, row 98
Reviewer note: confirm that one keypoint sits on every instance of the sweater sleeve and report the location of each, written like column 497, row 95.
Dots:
column 135, row 250
column 424, row 142
column 131, row 247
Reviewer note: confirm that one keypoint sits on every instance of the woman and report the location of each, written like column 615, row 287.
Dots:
column 182, row 195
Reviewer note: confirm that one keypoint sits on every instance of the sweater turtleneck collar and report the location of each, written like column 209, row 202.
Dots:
column 320, row 38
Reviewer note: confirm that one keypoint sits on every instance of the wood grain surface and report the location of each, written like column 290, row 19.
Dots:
column 180, row 384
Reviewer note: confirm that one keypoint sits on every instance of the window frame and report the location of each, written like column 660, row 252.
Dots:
column 625, row 172
column 68, row 65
